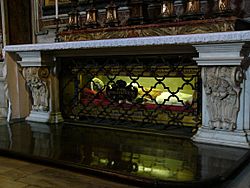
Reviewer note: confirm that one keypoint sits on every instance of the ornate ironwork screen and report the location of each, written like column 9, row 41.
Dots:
column 150, row 91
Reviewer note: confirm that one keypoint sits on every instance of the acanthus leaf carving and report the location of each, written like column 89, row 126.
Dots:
column 37, row 81
column 222, row 88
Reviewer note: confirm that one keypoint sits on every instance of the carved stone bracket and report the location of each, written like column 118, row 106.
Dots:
column 222, row 88
column 37, row 81
column 41, row 77
column 225, row 97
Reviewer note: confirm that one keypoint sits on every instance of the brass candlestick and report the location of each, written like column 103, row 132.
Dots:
column 74, row 16
column 167, row 11
column 223, row 5
column 192, row 10
column 223, row 8
column 112, row 15
column 57, row 21
column 138, row 12
column 74, row 20
column 192, row 7
column 91, row 18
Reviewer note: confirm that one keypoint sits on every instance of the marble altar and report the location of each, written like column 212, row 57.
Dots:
column 223, row 57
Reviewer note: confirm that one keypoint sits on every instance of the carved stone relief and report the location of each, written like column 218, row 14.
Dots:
column 37, row 81
column 222, row 88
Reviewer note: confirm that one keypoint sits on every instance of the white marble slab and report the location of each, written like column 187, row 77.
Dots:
column 223, row 37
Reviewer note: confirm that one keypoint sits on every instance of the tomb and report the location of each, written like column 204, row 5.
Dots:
column 115, row 79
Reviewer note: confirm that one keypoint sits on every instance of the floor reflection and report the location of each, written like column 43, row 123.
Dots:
column 134, row 154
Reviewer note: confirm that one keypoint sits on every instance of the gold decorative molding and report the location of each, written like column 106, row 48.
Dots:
column 177, row 28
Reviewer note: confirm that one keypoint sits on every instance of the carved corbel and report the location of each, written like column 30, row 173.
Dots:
column 222, row 89
column 37, row 82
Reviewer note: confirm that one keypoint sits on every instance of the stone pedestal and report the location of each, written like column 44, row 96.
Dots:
column 44, row 117
column 225, row 101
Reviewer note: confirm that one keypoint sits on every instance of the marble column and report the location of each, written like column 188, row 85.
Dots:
column 225, row 99
column 41, row 77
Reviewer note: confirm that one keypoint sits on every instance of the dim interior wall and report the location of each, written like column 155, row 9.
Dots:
column 246, row 8
column 19, row 21
column 18, row 93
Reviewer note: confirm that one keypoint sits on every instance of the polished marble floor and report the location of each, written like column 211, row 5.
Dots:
column 21, row 174
column 131, row 157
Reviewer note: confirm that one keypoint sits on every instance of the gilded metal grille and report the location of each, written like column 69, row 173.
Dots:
column 133, row 90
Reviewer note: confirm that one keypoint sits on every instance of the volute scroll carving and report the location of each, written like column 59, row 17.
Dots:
column 37, row 81
column 222, row 88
